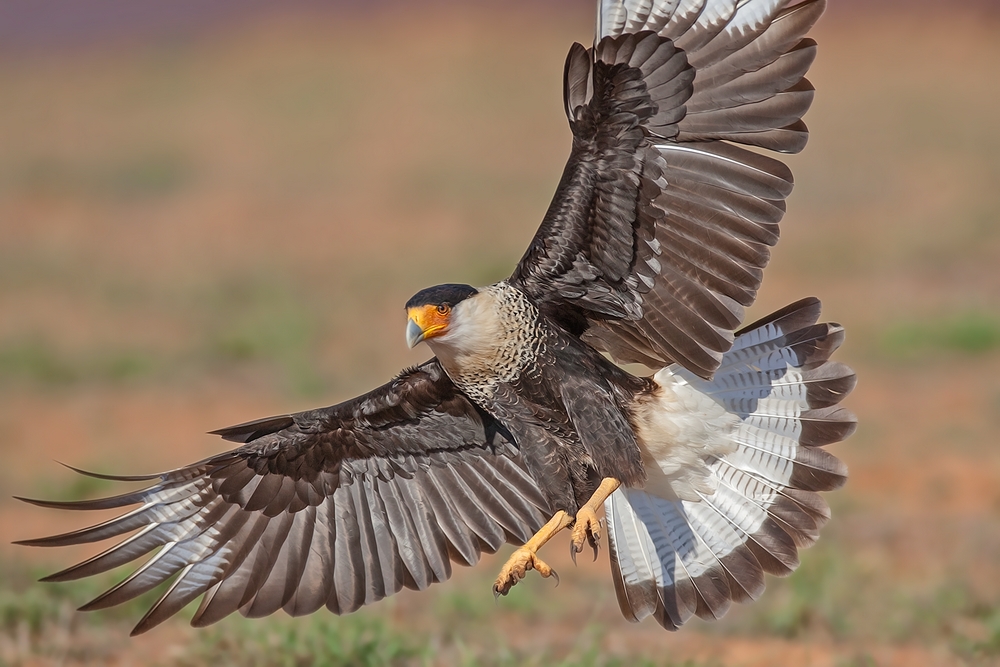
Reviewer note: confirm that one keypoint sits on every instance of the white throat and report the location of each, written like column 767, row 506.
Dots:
column 491, row 337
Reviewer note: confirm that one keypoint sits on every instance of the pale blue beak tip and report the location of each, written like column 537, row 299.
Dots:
column 414, row 334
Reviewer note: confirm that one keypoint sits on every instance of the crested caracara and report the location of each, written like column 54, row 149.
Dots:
column 523, row 424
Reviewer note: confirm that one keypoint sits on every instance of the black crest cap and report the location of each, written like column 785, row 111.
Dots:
column 449, row 293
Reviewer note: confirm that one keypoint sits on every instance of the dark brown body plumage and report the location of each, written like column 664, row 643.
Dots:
column 573, row 405
column 655, row 241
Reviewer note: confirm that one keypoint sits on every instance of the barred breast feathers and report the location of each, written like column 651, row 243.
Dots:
column 492, row 337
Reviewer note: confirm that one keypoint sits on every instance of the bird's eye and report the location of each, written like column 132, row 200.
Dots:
column 443, row 308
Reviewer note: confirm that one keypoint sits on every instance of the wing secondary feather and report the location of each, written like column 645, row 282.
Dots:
column 337, row 507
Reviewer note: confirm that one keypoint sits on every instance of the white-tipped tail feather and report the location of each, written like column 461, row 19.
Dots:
column 733, row 469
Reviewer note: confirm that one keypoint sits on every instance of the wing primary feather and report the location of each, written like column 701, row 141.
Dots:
column 430, row 537
column 416, row 574
column 461, row 548
column 262, row 561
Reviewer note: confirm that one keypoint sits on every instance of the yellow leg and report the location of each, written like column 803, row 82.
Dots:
column 587, row 528
column 525, row 558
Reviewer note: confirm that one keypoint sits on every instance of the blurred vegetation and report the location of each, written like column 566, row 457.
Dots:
column 137, row 177
column 36, row 360
column 38, row 621
column 322, row 640
column 241, row 323
column 328, row 641
column 249, row 321
column 971, row 333
column 74, row 487
column 832, row 596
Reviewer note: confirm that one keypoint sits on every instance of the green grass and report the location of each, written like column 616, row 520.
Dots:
column 237, row 322
column 816, row 599
column 591, row 657
column 40, row 621
column 971, row 333
column 248, row 320
column 32, row 616
column 472, row 603
column 833, row 596
column 71, row 486
column 322, row 640
column 368, row 640
column 859, row 660
column 140, row 176
column 35, row 360
column 39, row 361
column 987, row 645
column 478, row 651
column 21, row 584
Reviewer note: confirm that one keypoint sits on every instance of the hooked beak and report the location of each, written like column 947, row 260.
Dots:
column 425, row 322
column 414, row 334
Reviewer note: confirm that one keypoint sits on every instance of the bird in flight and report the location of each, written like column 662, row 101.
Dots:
column 522, row 425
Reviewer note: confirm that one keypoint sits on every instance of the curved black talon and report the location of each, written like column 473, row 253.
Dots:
column 595, row 542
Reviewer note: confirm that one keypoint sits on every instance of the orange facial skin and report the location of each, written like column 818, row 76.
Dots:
column 432, row 321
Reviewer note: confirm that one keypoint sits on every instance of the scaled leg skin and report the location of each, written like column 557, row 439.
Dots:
column 587, row 528
column 525, row 558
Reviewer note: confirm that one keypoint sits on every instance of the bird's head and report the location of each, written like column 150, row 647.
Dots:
column 430, row 311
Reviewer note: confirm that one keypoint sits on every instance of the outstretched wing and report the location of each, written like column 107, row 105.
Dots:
column 336, row 507
column 661, row 226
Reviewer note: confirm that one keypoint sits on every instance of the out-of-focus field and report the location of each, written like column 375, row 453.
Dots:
column 199, row 231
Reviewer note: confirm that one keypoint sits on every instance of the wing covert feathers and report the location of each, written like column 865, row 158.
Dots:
column 653, row 245
column 661, row 226
column 337, row 507
column 675, row 557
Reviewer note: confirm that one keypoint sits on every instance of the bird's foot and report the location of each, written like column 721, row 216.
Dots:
column 587, row 528
column 526, row 558
column 517, row 566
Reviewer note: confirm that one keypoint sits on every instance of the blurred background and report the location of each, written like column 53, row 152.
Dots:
column 212, row 212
